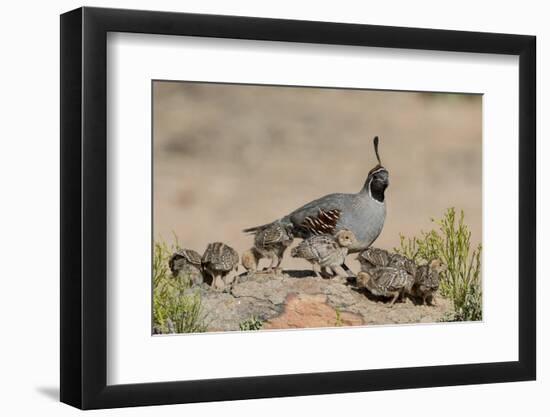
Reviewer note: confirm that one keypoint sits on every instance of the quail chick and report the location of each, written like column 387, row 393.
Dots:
column 250, row 259
column 218, row 261
column 363, row 213
column 326, row 253
column 426, row 281
column 372, row 258
column 271, row 242
column 402, row 262
column 187, row 261
column 375, row 257
column 386, row 282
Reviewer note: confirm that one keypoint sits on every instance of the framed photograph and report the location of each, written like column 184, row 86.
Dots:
column 259, row 208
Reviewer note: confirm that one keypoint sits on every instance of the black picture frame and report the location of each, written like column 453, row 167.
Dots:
column 84, row 207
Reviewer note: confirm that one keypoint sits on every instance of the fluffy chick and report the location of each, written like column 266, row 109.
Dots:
column 271, row 241
column 426, row 281
column 374, row 257
column 218, row 261
column 187, row 261
column 386, row 282
column 250, row 260
column 325, row 252
column 402, row 262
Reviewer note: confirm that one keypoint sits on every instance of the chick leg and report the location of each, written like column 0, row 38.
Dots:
column 209, row 278
column 217, row 283
column 395, row 296
column 348, row 270
column 251, row 267
column 340, row 271
column 212, row 279
column 363, row 279
column 429, row 300
column 229, row 278
column 273, row 259
column 278, row 268
column 317, row 270
column 326, row 272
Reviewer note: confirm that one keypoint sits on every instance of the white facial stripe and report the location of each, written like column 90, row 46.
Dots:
column 378, row 170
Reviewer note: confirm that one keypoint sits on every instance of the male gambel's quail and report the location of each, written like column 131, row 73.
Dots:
column 218, row 261
column 272, row 241
column 186, row 260
column 426, row 281
column 386, row 282
column 362, row 213
column 325, row 252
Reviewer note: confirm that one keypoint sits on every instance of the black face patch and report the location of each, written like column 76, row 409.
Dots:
column 378, row 182
column 377, row 189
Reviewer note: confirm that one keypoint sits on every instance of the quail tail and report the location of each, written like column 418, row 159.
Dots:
column 284, row 220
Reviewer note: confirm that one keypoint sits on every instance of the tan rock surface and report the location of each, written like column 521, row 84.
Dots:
column 296, row 299
column 303, row 311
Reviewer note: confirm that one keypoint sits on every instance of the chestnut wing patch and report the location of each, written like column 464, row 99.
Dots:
column 324, row 223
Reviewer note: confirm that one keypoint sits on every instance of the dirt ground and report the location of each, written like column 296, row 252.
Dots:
column 228, row 157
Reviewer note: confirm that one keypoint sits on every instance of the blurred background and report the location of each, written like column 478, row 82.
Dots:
column 232, row 156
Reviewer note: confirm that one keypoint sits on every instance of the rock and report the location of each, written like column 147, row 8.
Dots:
column 224, row 312
column 297, row 300
column 306, row 310
column 272, row 289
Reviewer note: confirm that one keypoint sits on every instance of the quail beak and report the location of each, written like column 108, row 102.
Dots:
column 383, row 177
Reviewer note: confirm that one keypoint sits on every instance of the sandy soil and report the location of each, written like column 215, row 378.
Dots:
column 227, row 157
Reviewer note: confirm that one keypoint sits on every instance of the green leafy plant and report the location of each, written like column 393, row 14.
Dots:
column 253, row 323
column 450, row 243
column 338, row 322
column 176, row 307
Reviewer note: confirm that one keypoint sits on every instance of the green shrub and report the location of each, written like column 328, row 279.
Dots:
column 253, row 323
column 176, row 307
column 450, row 243
column 338, row 322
